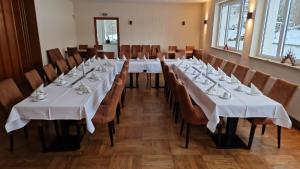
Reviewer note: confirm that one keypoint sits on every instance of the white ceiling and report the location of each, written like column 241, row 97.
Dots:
column 166, row 1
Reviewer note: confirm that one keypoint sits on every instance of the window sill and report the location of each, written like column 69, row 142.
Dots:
column 288, row 65
column 227, row 51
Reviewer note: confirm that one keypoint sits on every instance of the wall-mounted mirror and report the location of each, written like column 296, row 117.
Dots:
column 107, row 35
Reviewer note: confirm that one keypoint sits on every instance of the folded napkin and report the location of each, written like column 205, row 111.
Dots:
column 195, row 58
column 212, row 90
column 145, row 58
column 124, row 57
column 220, row 72
column 254, row 90
column 93, row 59
column 73, row 71
column 83, row 89
column 164, row 58
column 118, row 58
column 87, row 63
column 137, row 58
column 209, row 69
column 234, row 79
column 105, row 57
column 157, row 59
column 40, row 89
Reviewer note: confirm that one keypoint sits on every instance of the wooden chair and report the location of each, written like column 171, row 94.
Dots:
column 240, row 73
column 50, row 73
column 191, row 114
column 208, row 59
column 71, row 51
column 189, row 51
column 106, row 113
column 281, row 92
column 180, row 54
column 71, row 62
column 155, row 49
column 34, row 79
column 146, row 50
column 135, row 49
column 175, row 96
column 83, row 47
column 78, row 59
column 10, row 95
column 171, row 52
column 228, row 68
column 91, row 52
column 198, row 54
column 98, row 47
column 218, row 63
column 125, row 51
column 260, row 80
column 62, row 66
column 54, row 55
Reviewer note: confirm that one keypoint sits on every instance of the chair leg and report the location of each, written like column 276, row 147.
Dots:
column 278, row 136
column 123, row 98
column 181, row 128
column 56, row 128
column 176, row 113
column 219, row 136
column 137, row 79
column 25, row 132
column 78, row 128
column 11, row 138
column 187, row 135
column 252, row 132
column 111, row 134
column 263, row 129
column 118, row 113
column 42, row 138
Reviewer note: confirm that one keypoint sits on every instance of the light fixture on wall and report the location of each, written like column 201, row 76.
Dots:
column 130, row 22
column 205, row 22
column 250, row 15
column 183, row 23
column 104, row 14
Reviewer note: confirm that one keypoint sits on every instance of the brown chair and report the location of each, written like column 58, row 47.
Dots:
column 50, row 73
column 260, row 80
column 125, row 51
column 240, row 73
column 135, row 49
column 228, row 68
column 71, row 51
column 10, row 95
column 199, row 53
column 218, row 63
column 175, row 96
column 106, row 113
column 171, row 52
column 155, row 49
column 78, row 59
column 189, row 51
column 34, row 79
column 62, row 66
column 54, row 55
column 71, row 62
column 146, row 50
column 180, row 54
column 208, row 59
column 281, row 92
column 98, row 47
column 91, row 52
column 189, row 48
column 191, row 114
column 83, row 47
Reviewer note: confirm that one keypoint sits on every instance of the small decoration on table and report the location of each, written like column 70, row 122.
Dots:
column 291, row 56
column 124, row 58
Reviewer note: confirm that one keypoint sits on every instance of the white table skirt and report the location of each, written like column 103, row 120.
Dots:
column 241, row 104
column 64, row 103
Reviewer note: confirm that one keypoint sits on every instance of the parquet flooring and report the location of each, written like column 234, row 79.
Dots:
column 147, row 138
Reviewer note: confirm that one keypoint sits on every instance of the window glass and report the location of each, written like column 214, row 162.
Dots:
column 243, row 26
column 222, row 27
column 233, row 25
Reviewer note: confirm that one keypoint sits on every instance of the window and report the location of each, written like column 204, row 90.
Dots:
column 281, row 29
column 232, row 22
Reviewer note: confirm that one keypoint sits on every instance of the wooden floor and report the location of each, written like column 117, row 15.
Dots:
column 148, row 138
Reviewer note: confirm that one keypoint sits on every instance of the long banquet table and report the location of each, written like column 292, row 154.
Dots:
column 240, row 105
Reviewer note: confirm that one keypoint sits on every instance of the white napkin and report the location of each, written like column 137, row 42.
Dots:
column 145, row 58
column 94, row 76
column 137, row 58
column 83, row 89
column 164, row 58
column 93, row 59
column 234, row 79
column 157, row 59
column 254, row 90
column 105, row 57
column 212, row 90
column 73, row 71
column 195, row 58
column 220, row 72
column 124, row 57
column 40, row 89
column 87, row 63
column 210, row 69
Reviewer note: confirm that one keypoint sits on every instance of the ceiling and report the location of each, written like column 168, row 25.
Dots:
column 166, row 1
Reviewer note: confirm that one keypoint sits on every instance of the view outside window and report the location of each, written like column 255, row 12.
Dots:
column 282, row 28
column 292, row 40
column 232, row 22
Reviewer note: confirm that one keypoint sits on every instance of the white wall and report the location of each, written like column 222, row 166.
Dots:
column 153, row 23
column 56, row 25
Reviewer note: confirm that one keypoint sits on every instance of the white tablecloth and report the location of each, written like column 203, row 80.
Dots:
column 64, row 103
column 241, row 104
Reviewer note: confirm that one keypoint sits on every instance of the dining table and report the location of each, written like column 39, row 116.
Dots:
column 207, row 89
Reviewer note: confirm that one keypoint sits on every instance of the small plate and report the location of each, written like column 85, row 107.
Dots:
column 222, row 97
column 253, row 94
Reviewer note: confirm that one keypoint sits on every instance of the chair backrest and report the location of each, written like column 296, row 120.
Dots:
column 160, row 55
column 54, row 55
column 10, row 95
column 62, row 66
column 166, row 69
column 282, row 92
column 78, row 59
column 91, row 52
column 146, row 50
column 173, row 79
column 109, row 55
column 189, row 48
column 228, row 68
column 125, row 50
column 50, row 73
column 155, row 49
column 34, row 79
column 114, row 100
column 218, row 63
column 135, row 49
column 240, row 73
column 72, row 50
column 260, row 80
column 83, row 47
column 180, row 54
column 98, row 47
column 208, row 58
column 71, row 62
column 198, row 54
column 172, row 48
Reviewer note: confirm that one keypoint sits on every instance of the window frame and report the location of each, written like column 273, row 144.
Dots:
column 240, row 23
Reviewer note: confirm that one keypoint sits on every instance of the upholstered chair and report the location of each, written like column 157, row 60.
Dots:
column 218, row 63
column 228, row 68
column 34, row 79
column 71, row 62
column 240, row 73
column 62, row 66
column 50, row 73
column 282, row 92
column 260, row 80
column 155, row 49
column 78, row 59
